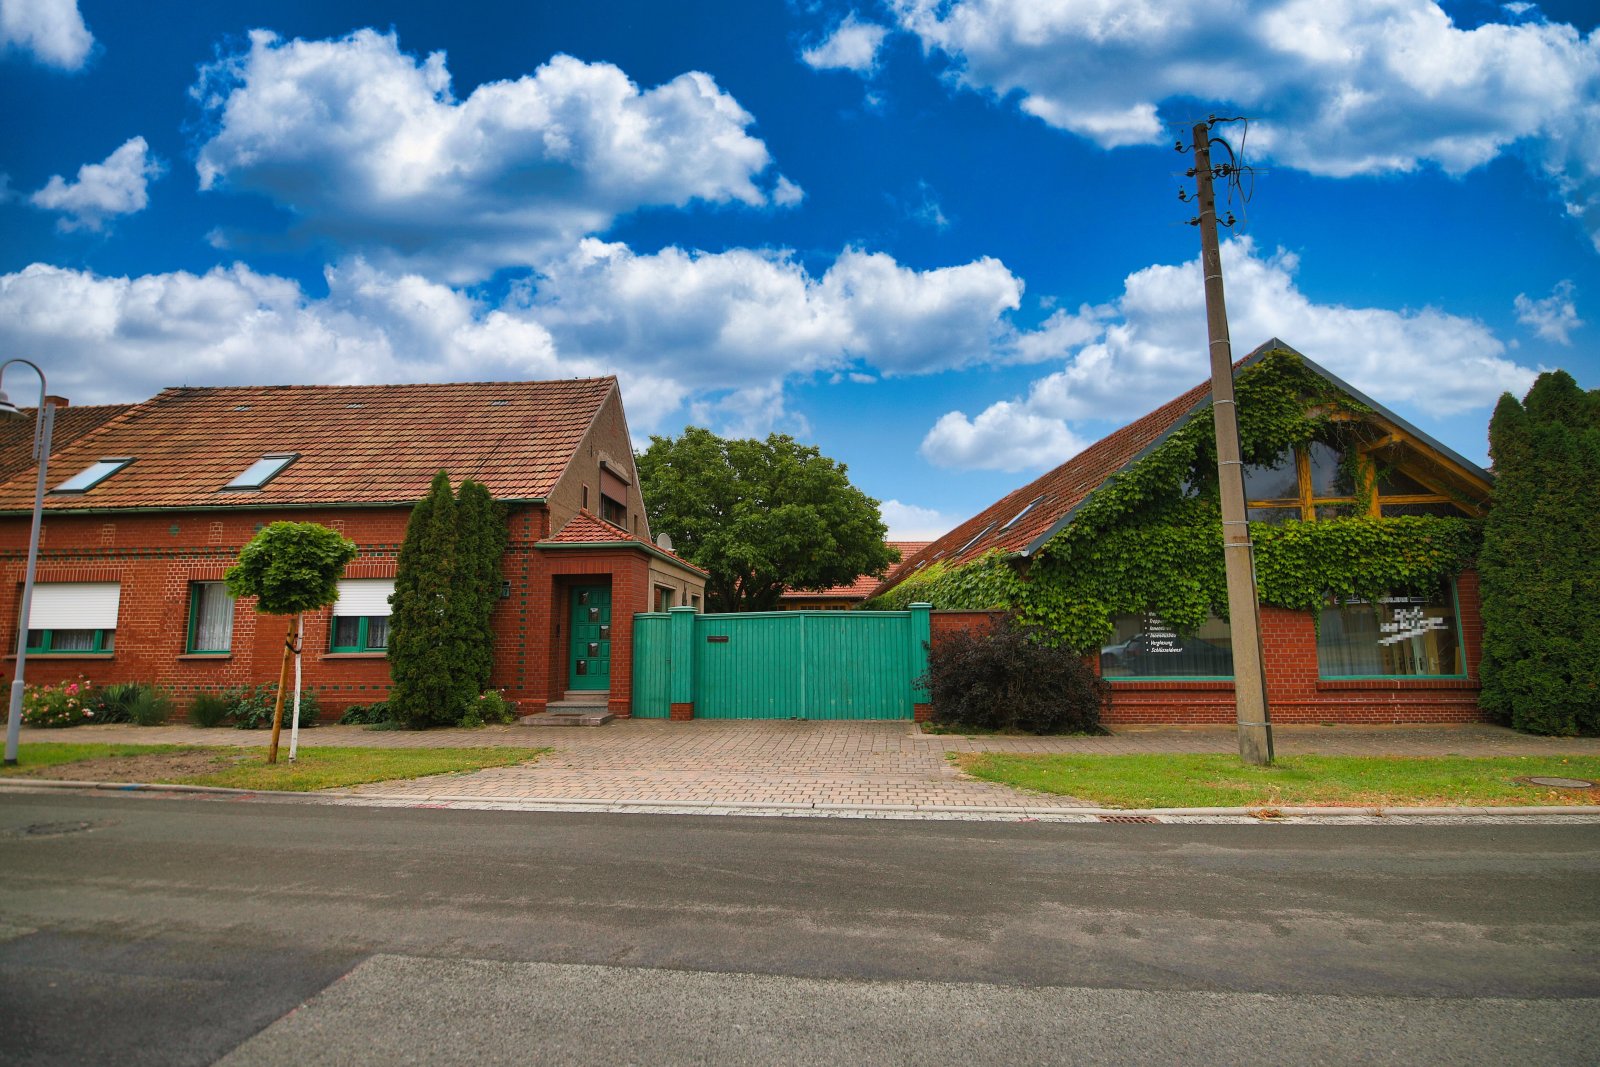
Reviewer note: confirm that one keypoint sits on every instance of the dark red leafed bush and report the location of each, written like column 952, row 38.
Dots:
column 1008, row 680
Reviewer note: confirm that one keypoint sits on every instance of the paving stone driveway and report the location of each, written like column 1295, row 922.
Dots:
column 807, row 763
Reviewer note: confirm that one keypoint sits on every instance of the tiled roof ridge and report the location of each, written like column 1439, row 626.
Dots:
column 178, row 390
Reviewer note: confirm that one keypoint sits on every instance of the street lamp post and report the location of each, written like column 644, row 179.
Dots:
column 44, row 423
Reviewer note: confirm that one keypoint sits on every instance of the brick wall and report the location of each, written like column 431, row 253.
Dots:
column 1295, row 693
column 155, row 557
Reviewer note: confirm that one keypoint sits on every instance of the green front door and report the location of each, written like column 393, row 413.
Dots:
column 589, row 663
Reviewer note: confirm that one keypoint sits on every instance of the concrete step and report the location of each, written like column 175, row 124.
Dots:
column 557, row 716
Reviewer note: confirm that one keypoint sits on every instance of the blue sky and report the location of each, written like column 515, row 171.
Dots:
column 941, row 240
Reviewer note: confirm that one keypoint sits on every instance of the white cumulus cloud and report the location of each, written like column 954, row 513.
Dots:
column 732, row 316
column 853, row 45
column 1340, row 87
column 370, row 150
column 1552, row 318
column 118, row 186
column 718, row 335
column 1005, row 436
column 1149, row 345
column 51, row 30
column 912, row 522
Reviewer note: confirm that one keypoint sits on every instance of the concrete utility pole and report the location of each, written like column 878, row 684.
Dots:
column 1244, row 613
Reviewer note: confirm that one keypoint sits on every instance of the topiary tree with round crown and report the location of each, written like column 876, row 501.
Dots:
column 290, row 568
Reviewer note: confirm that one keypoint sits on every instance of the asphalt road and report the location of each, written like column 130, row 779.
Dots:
column 175, row 930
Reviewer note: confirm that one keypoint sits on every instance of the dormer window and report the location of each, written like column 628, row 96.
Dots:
column 263, row 470
column 93, row 475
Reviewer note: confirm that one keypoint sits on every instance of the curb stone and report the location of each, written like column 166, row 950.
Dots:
column 1259, row 813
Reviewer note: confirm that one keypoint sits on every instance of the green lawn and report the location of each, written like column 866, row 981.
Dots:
column 1174, row 781
column 315, row 768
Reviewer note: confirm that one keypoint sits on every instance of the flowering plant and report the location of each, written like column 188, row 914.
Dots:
column 62, row 704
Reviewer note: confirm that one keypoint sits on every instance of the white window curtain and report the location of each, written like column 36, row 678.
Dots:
column 213, row 623
column 363, row 597
column 75, row 606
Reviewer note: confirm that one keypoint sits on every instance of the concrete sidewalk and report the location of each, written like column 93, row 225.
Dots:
column 782, row 763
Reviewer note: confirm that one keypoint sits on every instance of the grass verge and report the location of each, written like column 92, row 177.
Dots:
column 315, row 768
column 1179, row 781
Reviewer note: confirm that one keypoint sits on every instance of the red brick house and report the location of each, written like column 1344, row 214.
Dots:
column 1349, row 664
column 149, row 508
column 843, row 597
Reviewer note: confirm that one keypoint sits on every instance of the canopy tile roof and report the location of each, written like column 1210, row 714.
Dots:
column 587, row 528
column 862, row 586
column 354, row 444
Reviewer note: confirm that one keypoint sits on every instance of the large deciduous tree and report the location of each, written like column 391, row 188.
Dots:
column 760, row 516
column 1540, row 565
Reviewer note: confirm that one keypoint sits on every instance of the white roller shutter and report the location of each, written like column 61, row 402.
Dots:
column 75, row 606
column 363, row 596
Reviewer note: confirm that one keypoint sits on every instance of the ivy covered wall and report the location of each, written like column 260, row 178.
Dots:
column 1150, row 538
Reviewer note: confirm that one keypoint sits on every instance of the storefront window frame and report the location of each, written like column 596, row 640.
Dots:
column 1461, row 654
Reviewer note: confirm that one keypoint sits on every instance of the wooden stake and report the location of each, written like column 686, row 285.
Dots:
column 277, row 706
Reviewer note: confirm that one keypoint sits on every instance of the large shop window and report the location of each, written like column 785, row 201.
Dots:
column 210, row 618
column 361, row 615
column 74, row 617
column 1145, row 646
column 1394, row 637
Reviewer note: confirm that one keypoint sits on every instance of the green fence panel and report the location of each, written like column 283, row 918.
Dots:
column 749, row 666
column 779, row 664
column 857, row 665
column 652, row 666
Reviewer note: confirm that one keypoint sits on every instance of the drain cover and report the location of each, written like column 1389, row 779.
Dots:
column 1560, row 783
column 1128, row 818
column 52, row 829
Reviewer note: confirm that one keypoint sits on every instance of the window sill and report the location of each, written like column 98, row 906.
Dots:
column 355, row 655
column 1396, row 683
column 65, row 655
column 206, row 655
column 1171, row 683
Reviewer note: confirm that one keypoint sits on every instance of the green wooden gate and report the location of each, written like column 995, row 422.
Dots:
column 780, row 664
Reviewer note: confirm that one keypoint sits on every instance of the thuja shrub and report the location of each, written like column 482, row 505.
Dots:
column 1010, row 680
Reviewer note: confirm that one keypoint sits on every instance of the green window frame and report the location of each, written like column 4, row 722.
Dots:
column 357, row 633
column 102, row 642
column 198, row 592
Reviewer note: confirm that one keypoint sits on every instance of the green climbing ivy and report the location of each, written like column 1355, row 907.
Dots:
column 1150, row 539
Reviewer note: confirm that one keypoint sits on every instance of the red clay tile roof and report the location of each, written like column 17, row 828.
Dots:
column 858, row 589
column 357, row 444
column 586, row 528
column 1011, row 526
column 16, row 435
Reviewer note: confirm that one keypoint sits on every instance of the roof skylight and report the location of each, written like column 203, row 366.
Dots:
column 262, row 470
column 1031, row 505
column 93, row 475
column 979, row 536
